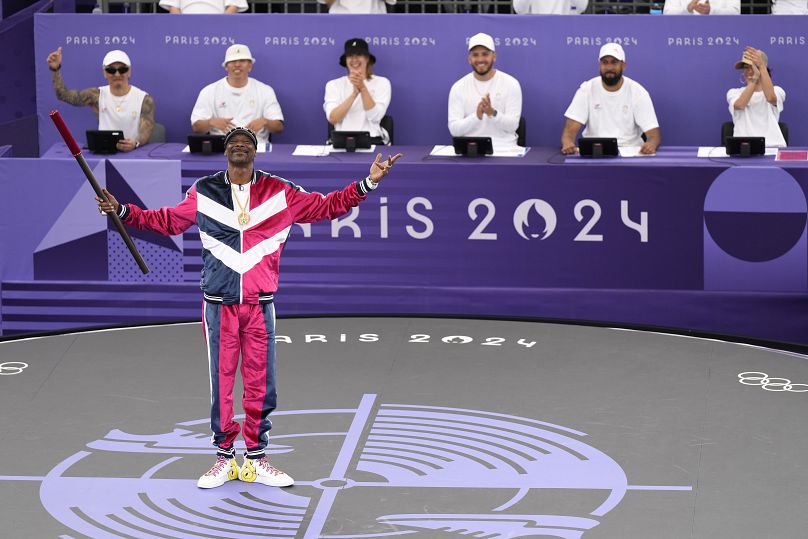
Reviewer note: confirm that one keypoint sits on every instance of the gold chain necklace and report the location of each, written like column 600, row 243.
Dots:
column 244, row 215
column 118, row 102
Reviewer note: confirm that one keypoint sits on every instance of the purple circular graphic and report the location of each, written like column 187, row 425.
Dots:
column 394, row 447
column 755, row 214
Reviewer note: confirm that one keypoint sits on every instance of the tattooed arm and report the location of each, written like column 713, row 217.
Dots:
column 146, row 120
column 80, row 98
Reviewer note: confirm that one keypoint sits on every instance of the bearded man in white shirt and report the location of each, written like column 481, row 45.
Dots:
column 612, row 106
column 487, row 102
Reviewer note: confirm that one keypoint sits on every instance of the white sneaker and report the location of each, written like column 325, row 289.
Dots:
column 261, row 471
column 223, row 470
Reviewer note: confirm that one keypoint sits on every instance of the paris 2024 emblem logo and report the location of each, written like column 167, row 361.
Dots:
column 407, row 469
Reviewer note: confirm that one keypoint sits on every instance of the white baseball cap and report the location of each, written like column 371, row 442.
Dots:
column 117, row 56
column 482, row 39
column 237, row 52
column 612, row 49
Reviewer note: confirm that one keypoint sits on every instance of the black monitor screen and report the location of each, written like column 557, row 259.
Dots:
column 206, row 143
column 350, row 140
column 597, row 147
column 746, row 146
column 103, row 141
column 473, row 146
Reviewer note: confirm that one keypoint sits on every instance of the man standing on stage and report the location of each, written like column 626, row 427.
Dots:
column 244, row 217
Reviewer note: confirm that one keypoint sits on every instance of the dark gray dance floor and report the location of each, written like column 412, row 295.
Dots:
column 420, row 428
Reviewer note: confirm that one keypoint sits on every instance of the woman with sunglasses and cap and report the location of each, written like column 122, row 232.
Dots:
column 119, row 105
column 358, row 101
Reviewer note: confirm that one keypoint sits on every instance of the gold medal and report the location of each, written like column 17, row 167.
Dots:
column 118, row 109
column 243, row 218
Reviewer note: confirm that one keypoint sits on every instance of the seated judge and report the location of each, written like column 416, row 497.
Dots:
column 237, row 99
column 612, row 106
column 120, row 106
column 358, row 100
column 756, row 107
column 486, row 102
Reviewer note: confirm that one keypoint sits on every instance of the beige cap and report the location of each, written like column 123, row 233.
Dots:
column 237, row 52
column 116, row 56
column 482, row 39
column 612, row 49
column 742, row 62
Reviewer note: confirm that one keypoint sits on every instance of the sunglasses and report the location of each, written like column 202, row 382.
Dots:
column 112, row 70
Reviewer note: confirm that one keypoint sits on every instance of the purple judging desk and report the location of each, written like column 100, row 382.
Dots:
column 708, row 245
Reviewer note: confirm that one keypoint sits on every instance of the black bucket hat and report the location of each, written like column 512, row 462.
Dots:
column 356, row 46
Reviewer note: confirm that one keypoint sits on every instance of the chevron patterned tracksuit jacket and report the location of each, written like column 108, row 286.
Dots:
column 239, row 277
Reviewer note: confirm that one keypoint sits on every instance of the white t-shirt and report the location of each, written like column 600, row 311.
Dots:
column 220, row 100
column 204, row 6
column 359, row 6
column 357, row 118
column 625, row 114
column 790, row 7
column 550, row 7
column 717, row 7
column 506, row 99
column 759, row 118
column 121, row 113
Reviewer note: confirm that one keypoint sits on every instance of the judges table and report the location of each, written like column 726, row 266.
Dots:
column 671, row 240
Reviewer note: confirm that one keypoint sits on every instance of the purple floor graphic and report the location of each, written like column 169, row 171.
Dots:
column 395, row 448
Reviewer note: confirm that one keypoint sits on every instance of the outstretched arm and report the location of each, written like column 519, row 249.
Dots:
column 312, row 207
column 166, row 221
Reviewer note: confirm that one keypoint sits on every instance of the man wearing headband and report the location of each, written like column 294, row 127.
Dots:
column 119, row 105
column 756, row 107
column 244, row 217
column 237, row 99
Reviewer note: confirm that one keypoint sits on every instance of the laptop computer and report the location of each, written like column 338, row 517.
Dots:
column 598, row 147
column 473, row 146
column 205, row 144
column 103, row 140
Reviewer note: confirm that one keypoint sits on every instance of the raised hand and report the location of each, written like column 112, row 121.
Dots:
column 55, row 59
column 379, row 168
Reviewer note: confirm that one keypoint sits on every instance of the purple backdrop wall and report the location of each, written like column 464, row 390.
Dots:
column 685, row 62
column 718, row 246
